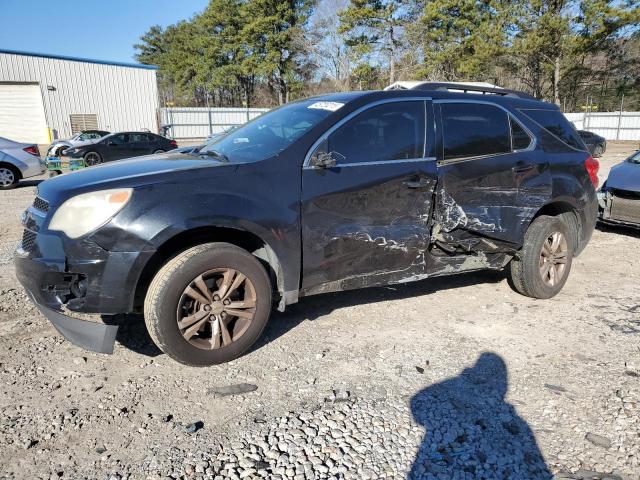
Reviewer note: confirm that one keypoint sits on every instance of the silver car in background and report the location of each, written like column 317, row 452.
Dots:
column 81, row 138
column 18, row 161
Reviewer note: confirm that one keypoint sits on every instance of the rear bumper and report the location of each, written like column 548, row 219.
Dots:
column 588, row 217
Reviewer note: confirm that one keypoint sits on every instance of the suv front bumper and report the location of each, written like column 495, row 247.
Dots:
column 63, row 275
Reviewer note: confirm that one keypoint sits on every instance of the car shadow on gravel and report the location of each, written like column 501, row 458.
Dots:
column 471, row 432
column 133, row 334
column 629, row 231
column 29, row 183
column 317, row 306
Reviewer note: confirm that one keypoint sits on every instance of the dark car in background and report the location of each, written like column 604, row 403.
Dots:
column 619, row 197
column 121, row 145
column 596, row 144
column 331, row 193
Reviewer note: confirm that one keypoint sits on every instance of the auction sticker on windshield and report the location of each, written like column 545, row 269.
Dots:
column 331, row 106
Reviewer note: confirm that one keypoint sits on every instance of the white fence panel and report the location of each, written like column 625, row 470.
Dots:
column 197, row 123
column 610, row 125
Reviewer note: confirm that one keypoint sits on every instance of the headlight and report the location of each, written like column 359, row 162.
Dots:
column 86, row 212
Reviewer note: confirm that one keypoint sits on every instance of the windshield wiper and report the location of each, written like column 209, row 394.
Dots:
column 215, row 154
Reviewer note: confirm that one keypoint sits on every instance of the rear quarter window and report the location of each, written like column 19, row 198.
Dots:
column 474, row 129
column 554, row 122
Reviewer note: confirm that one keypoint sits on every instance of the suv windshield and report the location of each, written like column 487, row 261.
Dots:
column 271, row 132
column 635, row 158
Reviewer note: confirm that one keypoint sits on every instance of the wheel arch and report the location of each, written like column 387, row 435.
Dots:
column 189, row 238
column 569, row 212
column 13, row 167
column 17, row 171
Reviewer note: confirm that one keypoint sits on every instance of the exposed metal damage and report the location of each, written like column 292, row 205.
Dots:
column 441, row 240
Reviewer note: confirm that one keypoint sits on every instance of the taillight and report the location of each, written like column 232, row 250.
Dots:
column 592, row 166
column 33, row 150
column 173, row 143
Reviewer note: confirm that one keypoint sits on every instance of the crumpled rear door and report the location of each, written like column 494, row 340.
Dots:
column 488, row 191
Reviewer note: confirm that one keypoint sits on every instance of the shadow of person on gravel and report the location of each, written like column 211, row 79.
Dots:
column 316, row 306
column 471, row 432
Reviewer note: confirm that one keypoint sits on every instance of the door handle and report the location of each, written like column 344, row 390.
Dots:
column 523, row 168
column 417, row 183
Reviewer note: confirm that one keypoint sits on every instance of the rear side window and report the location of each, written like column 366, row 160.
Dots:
column 473, row 130
column 119, row 139
column 520, row 139
column 139, row 137
column 555, row 122
column 391, row 131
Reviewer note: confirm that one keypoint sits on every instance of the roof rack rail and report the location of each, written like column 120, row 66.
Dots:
column 440, row 86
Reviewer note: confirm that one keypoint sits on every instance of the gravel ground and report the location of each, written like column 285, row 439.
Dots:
column 450, row 378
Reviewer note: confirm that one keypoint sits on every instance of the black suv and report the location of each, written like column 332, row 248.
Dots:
column 330, row 193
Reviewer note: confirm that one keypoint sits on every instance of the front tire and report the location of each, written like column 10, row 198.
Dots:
column 92, row 158
column 208, row 305
column 542, row 267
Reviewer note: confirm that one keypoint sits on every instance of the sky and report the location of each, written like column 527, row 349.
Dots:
column 101, row 30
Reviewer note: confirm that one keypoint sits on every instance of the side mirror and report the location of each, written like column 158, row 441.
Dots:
column 112, row 144
column 327, row 159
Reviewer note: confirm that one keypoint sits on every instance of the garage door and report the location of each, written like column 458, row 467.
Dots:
column 22, row 113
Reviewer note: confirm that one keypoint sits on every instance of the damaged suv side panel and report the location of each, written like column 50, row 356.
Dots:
column 491, row 182
column 366, row 219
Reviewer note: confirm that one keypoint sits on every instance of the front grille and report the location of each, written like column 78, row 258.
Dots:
column 625, row 209
column 41, row 204
column 28, row 240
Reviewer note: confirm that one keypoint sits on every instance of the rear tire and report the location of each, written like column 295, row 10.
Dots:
column 9, row 177
column 598, row 151
column 192, row 331
column 541, row 268
column 92, row 158
column 158, row 151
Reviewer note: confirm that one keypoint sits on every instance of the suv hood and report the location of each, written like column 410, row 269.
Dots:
column 625, row 176
column 124, row 173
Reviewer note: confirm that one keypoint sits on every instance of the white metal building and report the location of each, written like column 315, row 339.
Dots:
column 43, row 97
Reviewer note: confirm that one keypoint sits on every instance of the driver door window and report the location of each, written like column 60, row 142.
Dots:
column 391, row 131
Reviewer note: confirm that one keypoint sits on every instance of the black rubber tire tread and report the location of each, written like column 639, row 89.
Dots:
column 100, row 159
column 164, row 292
column 524, row 271
column 17, row 176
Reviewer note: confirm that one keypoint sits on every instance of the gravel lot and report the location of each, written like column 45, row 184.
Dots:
column 450, row 378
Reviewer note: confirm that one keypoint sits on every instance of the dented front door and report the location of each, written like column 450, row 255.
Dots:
column 365, row 221
column 491, row 180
